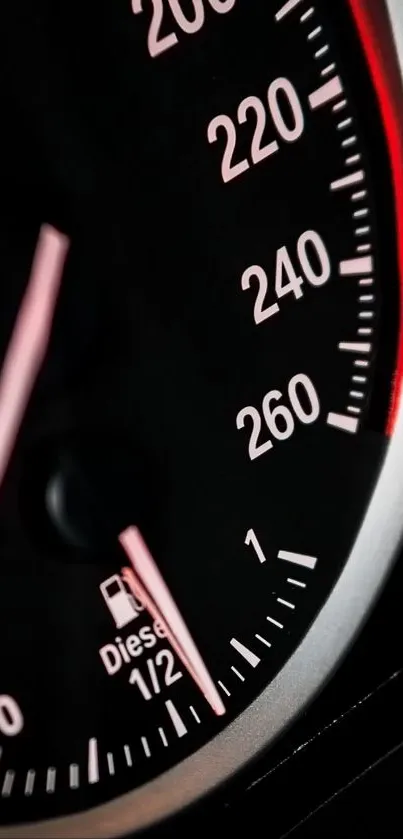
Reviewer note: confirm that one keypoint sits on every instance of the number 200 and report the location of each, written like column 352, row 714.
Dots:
column 157, row 43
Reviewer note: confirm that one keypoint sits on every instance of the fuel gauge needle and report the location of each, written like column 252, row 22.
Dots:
column 145, row 581
column 30, row 337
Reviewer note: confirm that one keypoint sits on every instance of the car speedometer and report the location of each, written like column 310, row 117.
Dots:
column 202, row 493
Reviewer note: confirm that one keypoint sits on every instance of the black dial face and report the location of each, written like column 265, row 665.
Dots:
column 208, row 420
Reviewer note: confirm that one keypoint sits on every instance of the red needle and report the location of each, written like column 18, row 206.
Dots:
column 147, row 583
column 30, row 337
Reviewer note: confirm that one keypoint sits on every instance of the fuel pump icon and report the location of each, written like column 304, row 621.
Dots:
column 119, row 601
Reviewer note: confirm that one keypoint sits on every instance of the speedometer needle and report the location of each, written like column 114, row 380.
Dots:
column 30, row 337
column 146, row 582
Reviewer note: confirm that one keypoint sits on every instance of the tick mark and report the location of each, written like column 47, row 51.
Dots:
column 8, row 783
column 222, row 686
column 286, row 9
column 343, row 422
column 307, row 15
column 326, row 93
column 111, row 763
column 238, row 674
column 74, row 781
column 93, row 766
column 29, row 782
column 51, row 779
column 263, row 640
column 275, row 623
column 195, row 714
column 355, row 346
column 355, row 267
column 128, row 755
column 298, row 559
column 322, row 51
column 348, row 180
column 163, row 736
column 296, row 582
column 314, row 34
column 285, row 603
column 177, row 720
column 247, row 654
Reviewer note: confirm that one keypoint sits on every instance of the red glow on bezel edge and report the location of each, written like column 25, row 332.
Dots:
column 393, row 125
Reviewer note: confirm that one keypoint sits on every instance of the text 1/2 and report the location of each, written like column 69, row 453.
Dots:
column 161, row 673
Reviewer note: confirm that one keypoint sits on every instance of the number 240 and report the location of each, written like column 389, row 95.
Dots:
column 314, row 262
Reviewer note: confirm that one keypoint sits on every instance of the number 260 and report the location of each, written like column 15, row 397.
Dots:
column 280, row 420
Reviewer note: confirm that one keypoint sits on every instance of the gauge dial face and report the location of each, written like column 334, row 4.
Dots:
column 215, row 397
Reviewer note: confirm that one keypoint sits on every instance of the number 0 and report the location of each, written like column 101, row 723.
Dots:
column 304, row 383
column 282, row 91
column 11, row 719
column 222, row 6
